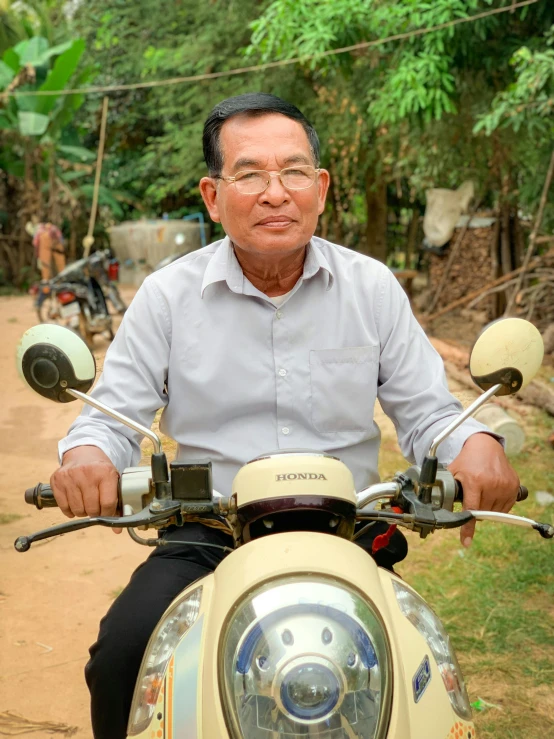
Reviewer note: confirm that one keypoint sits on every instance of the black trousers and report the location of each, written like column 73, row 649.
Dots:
column 116, row 656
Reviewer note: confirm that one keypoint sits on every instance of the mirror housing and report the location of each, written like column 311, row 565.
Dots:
column 509, row 352
column 52, row 359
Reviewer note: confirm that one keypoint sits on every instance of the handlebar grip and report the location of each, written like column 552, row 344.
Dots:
column 41, row 496
column 522, row 493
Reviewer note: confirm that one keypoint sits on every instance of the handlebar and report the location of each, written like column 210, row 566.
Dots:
column 41, row 496
column 404, row 508
column 522, row 493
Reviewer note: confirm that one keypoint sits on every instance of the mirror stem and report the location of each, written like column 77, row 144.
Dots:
column 118, row 417
column 469, row 411
column 429, row 466
column 160, row 471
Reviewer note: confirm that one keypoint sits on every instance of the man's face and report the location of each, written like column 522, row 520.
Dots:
column 276, row 221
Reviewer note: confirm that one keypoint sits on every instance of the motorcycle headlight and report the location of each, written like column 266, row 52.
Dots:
column 305, row 656
column 431, row 629
column 159, row 651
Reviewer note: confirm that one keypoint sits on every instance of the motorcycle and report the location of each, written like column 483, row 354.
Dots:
column 297, row 633
column 76, row 297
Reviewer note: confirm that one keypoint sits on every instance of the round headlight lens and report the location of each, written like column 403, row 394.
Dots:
column 310, row 691
column 305, row 655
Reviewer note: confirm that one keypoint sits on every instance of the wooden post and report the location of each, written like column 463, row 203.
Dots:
column 89, row 238
column 413, row 229
column 533, row 236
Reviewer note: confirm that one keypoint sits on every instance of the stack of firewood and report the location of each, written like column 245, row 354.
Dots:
column 474, row 267
column 535, row 298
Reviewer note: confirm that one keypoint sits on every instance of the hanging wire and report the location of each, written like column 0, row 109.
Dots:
column 270, row 65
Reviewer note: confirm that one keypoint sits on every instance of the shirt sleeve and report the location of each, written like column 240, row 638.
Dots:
column 132, row 381
column 413, row 389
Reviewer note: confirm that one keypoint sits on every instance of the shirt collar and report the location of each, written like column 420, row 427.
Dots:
column 224, row 267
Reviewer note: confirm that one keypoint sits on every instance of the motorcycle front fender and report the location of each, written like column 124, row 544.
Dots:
column 190, row 702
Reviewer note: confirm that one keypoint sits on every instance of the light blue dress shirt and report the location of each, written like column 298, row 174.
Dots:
column 238, row 376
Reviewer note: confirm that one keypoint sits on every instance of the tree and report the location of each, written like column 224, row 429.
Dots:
column 421, row 96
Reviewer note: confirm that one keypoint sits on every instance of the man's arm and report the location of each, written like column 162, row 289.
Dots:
column 413, row 391
column 134, row 374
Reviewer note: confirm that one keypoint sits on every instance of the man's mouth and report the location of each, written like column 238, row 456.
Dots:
column 275, row 221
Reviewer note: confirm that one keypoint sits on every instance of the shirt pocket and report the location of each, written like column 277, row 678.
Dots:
column 344, row 388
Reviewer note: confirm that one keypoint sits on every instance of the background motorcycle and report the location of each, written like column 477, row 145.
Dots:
column 297, row 633
column 77, row 297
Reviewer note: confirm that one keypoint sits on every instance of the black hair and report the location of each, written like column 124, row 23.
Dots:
column 250, row 104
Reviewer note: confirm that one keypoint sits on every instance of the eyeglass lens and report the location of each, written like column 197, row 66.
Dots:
column 292, row 178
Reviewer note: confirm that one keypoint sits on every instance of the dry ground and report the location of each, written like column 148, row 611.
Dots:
column 53, row 597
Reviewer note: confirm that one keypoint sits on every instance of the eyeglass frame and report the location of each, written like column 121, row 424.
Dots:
column 233, row 178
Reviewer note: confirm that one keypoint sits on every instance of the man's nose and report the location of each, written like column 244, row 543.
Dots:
column 276, row 193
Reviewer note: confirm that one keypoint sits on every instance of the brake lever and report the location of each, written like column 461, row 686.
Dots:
column 145, row 517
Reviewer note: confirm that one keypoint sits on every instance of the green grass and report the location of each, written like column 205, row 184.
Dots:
column 497, row 600
column 9, row 517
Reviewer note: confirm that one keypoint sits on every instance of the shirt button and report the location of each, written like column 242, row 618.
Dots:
column 282, row 372
column 285, row 430
column 278, row 314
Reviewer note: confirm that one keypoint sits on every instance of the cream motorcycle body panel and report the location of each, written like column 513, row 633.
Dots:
column 273, row 559
column 298, row 474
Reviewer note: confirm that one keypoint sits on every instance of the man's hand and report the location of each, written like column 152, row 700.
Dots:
column 489, row 481
column 86, row 483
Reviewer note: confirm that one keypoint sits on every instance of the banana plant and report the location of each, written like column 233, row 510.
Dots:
column 34, row 66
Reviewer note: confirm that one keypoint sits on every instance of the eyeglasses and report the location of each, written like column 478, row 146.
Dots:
column 256, row 181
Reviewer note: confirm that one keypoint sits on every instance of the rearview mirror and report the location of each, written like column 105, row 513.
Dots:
column 52, row 359
column 509, row 353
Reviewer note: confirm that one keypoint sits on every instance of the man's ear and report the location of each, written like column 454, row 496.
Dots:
column 208, row 190
column 323, row 181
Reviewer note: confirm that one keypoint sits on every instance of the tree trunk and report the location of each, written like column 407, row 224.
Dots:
column 505, row 249
column 72, row 256
column 23, row 237
column 496, row 306
column 54, row 215
column 519, row 241
column 412, row 237
column 336, row 217
column 376, row 210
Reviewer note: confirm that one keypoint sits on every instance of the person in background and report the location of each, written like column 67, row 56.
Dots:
column 49, row 248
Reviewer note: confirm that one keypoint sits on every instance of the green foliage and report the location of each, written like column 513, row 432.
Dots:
column 155, row 135
column 426, row 97
column 529, row 101
column 413, row 112
column 32, row 115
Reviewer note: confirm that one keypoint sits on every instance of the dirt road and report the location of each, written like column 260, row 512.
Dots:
column 52, row 597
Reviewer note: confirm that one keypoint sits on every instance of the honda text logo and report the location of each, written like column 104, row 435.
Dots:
column 299, row 476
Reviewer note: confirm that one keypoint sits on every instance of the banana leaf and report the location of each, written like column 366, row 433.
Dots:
column 32, row 124
column 12, row 60
column 6, row 75
column 36, row 51
column 59, row 75
column 77, row 152
column 31, row 51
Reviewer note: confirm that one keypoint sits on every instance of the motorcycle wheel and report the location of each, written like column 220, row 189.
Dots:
column 84, row 331
column 48, row 311
column 115, row 299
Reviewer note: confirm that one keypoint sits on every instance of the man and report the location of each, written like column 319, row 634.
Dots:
column 271, row 338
